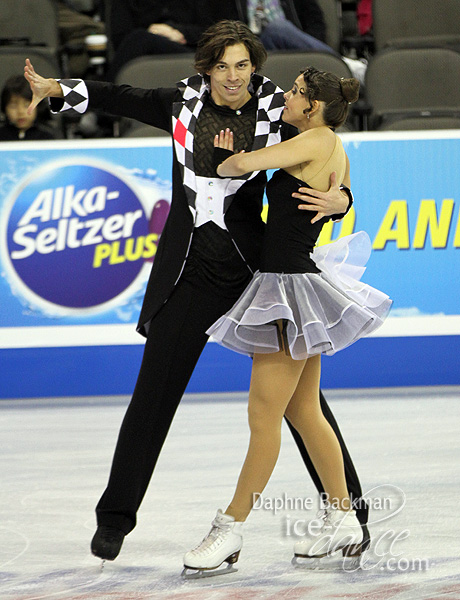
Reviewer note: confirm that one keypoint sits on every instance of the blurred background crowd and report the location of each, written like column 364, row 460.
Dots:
column 406, row 55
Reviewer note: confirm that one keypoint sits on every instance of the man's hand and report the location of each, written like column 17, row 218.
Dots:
column 168, row 32
column 332, row 202
column 41, row 87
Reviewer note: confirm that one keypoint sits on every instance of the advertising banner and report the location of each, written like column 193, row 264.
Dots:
column 407, row 199
column 80, row 224
column 79, row 232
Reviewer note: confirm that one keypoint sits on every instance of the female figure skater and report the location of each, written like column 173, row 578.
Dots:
column 291, row 313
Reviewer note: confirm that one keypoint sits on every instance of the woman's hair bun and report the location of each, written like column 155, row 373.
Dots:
column 350, row 89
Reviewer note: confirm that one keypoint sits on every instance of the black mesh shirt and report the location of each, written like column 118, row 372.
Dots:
column 213, row 259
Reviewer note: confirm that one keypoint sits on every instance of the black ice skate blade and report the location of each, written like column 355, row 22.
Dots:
column 102, row 564
column 190, row 574
column 329, row 562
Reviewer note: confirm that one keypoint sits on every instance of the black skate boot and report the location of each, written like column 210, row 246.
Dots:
column 366, row 538
column 107, row 542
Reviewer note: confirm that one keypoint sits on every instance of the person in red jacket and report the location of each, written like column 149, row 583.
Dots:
column 364, row 16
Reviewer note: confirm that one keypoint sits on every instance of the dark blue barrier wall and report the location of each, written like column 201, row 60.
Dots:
column 112, row 370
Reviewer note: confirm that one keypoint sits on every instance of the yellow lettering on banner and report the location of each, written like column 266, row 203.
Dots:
column 428, row 218
column 457, row 234
column 131, row 254
column 396, row 215
column 100, row 252
column 150, row 245
column 115, row 258
column 145, row 247
column 347, row 225
column 264, row 213
column 134, row 249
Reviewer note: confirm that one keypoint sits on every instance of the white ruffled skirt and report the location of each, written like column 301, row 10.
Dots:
column 322, row 312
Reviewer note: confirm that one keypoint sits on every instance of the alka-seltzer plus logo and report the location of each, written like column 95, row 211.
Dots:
column 77, row 238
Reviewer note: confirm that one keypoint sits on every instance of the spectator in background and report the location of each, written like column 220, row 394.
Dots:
column 74, row 28
column 15, row 99
column 280, row 24
column 285, row 25
column 144, row 27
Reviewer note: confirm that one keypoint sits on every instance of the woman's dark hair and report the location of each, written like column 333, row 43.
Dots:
column 15, row 86
column 219, row 37
column 337, row 94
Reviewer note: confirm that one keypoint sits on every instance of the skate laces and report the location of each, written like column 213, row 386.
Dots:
column 325, row 517
column 330, row 519
column 212, row 540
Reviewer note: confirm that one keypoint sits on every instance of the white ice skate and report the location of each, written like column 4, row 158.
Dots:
column 336, row 530
column 222, row 544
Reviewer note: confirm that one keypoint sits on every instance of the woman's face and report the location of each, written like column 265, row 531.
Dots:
column 295, row 103
column 16, row 112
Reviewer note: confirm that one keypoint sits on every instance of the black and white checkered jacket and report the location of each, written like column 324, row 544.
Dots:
column 176, row 110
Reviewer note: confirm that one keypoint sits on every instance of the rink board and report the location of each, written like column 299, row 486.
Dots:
column 79, row 227
column 112, row 370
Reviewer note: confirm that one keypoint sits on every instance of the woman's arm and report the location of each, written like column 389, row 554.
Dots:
column 346, row 179
column 334, row 203
column 302, row 148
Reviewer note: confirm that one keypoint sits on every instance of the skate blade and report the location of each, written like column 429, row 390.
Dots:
column 339, row 559
column 189, row 573
column 314, row 563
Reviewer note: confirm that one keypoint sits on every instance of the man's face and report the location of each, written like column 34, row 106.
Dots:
column 230, row 77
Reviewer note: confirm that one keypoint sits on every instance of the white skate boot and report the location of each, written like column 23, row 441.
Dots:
column 222, row 544
column 337, row 530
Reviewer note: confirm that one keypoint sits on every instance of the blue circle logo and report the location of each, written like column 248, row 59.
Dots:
column 77, row 237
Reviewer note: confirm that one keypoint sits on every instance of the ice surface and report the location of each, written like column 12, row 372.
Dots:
column 54, row 463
